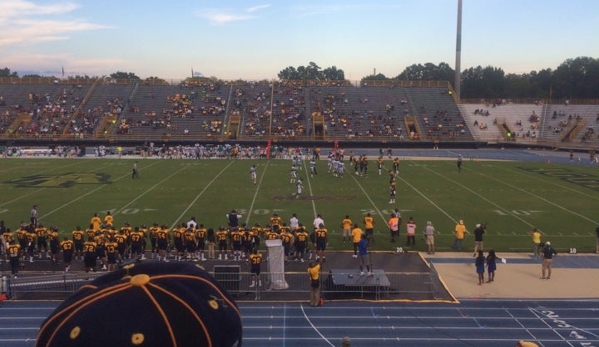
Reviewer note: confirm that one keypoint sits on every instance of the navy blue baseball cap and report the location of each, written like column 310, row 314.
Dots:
column 148, row 304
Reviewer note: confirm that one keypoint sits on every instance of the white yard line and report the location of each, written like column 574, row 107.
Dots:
column 149, row 190
column 594, row 197
column 368, row 197
column 309, row 187
column 531, row 194
column 477, row 194
column 247, row 220
column 200, row 194
column 428, row 199
column 90, row 192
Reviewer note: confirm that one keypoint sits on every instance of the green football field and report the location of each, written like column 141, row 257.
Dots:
column 511, row 197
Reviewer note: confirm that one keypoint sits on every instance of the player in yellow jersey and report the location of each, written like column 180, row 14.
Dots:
column 236, row 234
column 111, row 254
column 153, row 230
column 68, row 249
column 369, row 227
column 301, row 242
column 90, row 232
column 275, row 219
column 78, row 237
column 287, row 239
column 90, row 255
column 42, row 240
column 189, row 240
column 247, row 241
column 322, row 239
column 346, row 224
column 201, row 235
column 96, row 221
column 162, row 240
column 136, row 239
column 256, row 233
column 221, row 239
column 255, row 261
column 54, row 240
column 13, row 251
column 356, row 235
column 108, row 219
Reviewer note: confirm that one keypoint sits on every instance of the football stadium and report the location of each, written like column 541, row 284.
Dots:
column 310, row 209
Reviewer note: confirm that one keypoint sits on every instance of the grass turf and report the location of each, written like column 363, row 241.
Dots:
column 511, row 197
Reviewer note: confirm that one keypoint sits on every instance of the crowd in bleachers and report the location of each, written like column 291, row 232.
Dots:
column 289, row 112
column 282, row 110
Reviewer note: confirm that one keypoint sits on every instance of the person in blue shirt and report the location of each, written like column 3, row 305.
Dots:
column 480, row 267
column 364, row 256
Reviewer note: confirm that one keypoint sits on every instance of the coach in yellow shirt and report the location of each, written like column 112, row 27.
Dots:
column 460, row 233
column 314, row 272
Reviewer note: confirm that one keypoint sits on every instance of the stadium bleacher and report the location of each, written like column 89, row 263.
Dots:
column 134, row 111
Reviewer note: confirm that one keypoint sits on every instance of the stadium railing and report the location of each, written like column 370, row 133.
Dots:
column 290, row 286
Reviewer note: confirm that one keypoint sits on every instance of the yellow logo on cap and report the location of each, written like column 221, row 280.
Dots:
column 140, row 280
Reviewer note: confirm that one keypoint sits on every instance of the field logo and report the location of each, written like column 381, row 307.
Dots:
column 62, row 181
column 582, row 179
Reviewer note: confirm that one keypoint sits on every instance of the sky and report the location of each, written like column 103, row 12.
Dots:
column 255, row 40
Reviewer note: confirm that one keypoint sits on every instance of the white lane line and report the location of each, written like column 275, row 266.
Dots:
column 200, row 194
column 314, row 327
column 247, row 220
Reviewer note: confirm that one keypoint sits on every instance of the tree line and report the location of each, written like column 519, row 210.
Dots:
column 576, row 78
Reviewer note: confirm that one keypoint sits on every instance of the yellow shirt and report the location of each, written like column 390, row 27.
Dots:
column 356, row 235
column 460, row 230
column 536, row 237
column 346, row 224
column 368, row 222
column 314, row 271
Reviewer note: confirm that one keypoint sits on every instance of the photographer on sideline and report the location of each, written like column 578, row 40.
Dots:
column 480, row 230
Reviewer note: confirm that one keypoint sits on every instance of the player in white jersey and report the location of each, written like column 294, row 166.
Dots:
column 313, row 168
column 330, row 163
column 335, row 167
column 293, row 173
column 340, row 168
column 298, row 188
column 254, row 173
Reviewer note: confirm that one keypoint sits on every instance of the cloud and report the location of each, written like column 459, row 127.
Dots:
column 23, row 22
column 257, row 8
column 223, row 16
